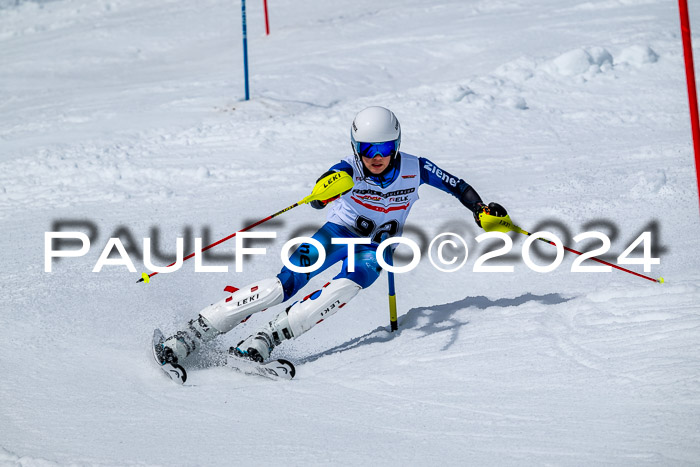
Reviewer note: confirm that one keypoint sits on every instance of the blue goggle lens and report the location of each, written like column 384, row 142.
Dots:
column 385, row 149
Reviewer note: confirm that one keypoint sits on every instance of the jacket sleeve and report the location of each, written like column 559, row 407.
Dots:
column 434, row 176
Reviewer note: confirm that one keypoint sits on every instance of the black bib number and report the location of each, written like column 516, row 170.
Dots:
column 367, row 228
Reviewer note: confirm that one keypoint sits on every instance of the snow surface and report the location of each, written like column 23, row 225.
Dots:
column 128, row 114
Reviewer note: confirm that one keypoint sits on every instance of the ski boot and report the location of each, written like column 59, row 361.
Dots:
column 183, row 343
column 259, row 346
column 297, row 319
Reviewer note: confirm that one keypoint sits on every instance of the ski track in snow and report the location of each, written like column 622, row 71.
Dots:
column 128, row 114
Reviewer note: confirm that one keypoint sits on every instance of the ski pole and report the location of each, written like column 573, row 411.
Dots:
column 389, row 258
column 504, row 224
column 326, row 188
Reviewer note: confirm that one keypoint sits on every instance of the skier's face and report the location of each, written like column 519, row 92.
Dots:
column 376, row 164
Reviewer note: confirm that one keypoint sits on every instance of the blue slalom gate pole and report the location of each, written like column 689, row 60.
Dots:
column 245, row 50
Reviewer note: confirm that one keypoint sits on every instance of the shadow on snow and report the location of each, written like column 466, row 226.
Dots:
column 440, row 318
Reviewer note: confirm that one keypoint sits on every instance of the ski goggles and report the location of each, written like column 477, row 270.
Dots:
column 385, row 149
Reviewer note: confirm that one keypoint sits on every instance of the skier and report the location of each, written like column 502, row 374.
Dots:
column 385, row 189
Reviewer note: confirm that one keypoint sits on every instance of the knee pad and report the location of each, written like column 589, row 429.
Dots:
column 314, row 308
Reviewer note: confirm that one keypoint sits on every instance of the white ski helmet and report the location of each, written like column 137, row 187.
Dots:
column 375, row 130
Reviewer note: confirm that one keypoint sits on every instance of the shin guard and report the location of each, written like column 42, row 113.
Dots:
column 321, row 304
column 231, row 311
column 297, row 319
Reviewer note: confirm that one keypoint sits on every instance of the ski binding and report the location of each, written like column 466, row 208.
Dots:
column 273, row 369
column 176, row 372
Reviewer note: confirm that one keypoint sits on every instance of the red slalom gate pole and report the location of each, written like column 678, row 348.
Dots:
column 690, row 78
column 267, row 22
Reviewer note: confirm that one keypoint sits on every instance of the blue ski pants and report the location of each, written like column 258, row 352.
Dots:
column 366, row 267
